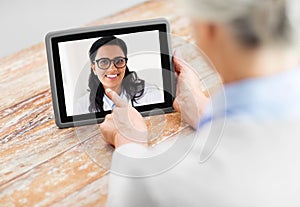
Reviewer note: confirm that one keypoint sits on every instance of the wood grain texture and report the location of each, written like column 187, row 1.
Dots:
column 41, row 165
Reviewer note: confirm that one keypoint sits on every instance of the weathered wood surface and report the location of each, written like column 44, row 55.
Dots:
column 42, row 165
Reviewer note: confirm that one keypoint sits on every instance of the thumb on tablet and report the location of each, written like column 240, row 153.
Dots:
column 118, row 101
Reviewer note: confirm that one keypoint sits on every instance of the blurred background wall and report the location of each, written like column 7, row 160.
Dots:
column 25, row 23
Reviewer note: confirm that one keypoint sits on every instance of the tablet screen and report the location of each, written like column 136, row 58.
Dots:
column 132, row 59
column 129, row 64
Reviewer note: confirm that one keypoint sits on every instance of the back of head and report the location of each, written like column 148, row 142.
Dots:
column 254, row 22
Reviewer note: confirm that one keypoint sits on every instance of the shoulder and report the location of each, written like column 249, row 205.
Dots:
column 152, row 94
column 152, row 90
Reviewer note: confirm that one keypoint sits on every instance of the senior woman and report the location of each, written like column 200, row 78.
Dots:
column 254, row 46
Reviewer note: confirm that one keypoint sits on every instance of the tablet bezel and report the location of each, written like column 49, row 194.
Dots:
column 53, row 38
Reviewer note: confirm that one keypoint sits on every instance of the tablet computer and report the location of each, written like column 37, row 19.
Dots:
column 132, row 58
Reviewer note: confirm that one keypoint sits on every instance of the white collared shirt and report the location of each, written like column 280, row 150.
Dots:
column 109, row 105
column 152, row 94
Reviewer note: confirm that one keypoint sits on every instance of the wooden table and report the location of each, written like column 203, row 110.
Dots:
column 42, row 165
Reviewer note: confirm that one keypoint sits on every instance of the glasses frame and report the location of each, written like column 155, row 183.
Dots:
column 111, row 60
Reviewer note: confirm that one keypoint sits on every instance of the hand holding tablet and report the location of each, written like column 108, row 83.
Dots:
column 133, row 59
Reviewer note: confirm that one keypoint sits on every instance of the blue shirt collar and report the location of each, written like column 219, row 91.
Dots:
column 276, row 96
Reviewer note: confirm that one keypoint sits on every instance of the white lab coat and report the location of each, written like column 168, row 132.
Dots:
column 152, row 94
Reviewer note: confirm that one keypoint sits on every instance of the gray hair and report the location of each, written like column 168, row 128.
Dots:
column 254, row 22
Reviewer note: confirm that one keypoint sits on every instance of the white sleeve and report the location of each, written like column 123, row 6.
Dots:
column 132, row 150
column 133, row 182
column 127, row 184
column 123, row 189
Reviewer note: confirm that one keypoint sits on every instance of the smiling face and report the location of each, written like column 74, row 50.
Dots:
column 111, row 77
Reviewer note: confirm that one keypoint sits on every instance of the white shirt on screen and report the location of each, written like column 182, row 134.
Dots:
column 152, row 94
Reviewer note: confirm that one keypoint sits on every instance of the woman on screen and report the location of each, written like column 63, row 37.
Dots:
column 108, row 58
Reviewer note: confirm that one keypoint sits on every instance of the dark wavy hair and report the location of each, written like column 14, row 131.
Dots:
column 133, row 86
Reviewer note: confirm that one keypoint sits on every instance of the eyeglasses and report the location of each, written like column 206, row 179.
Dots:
column 104, row 63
